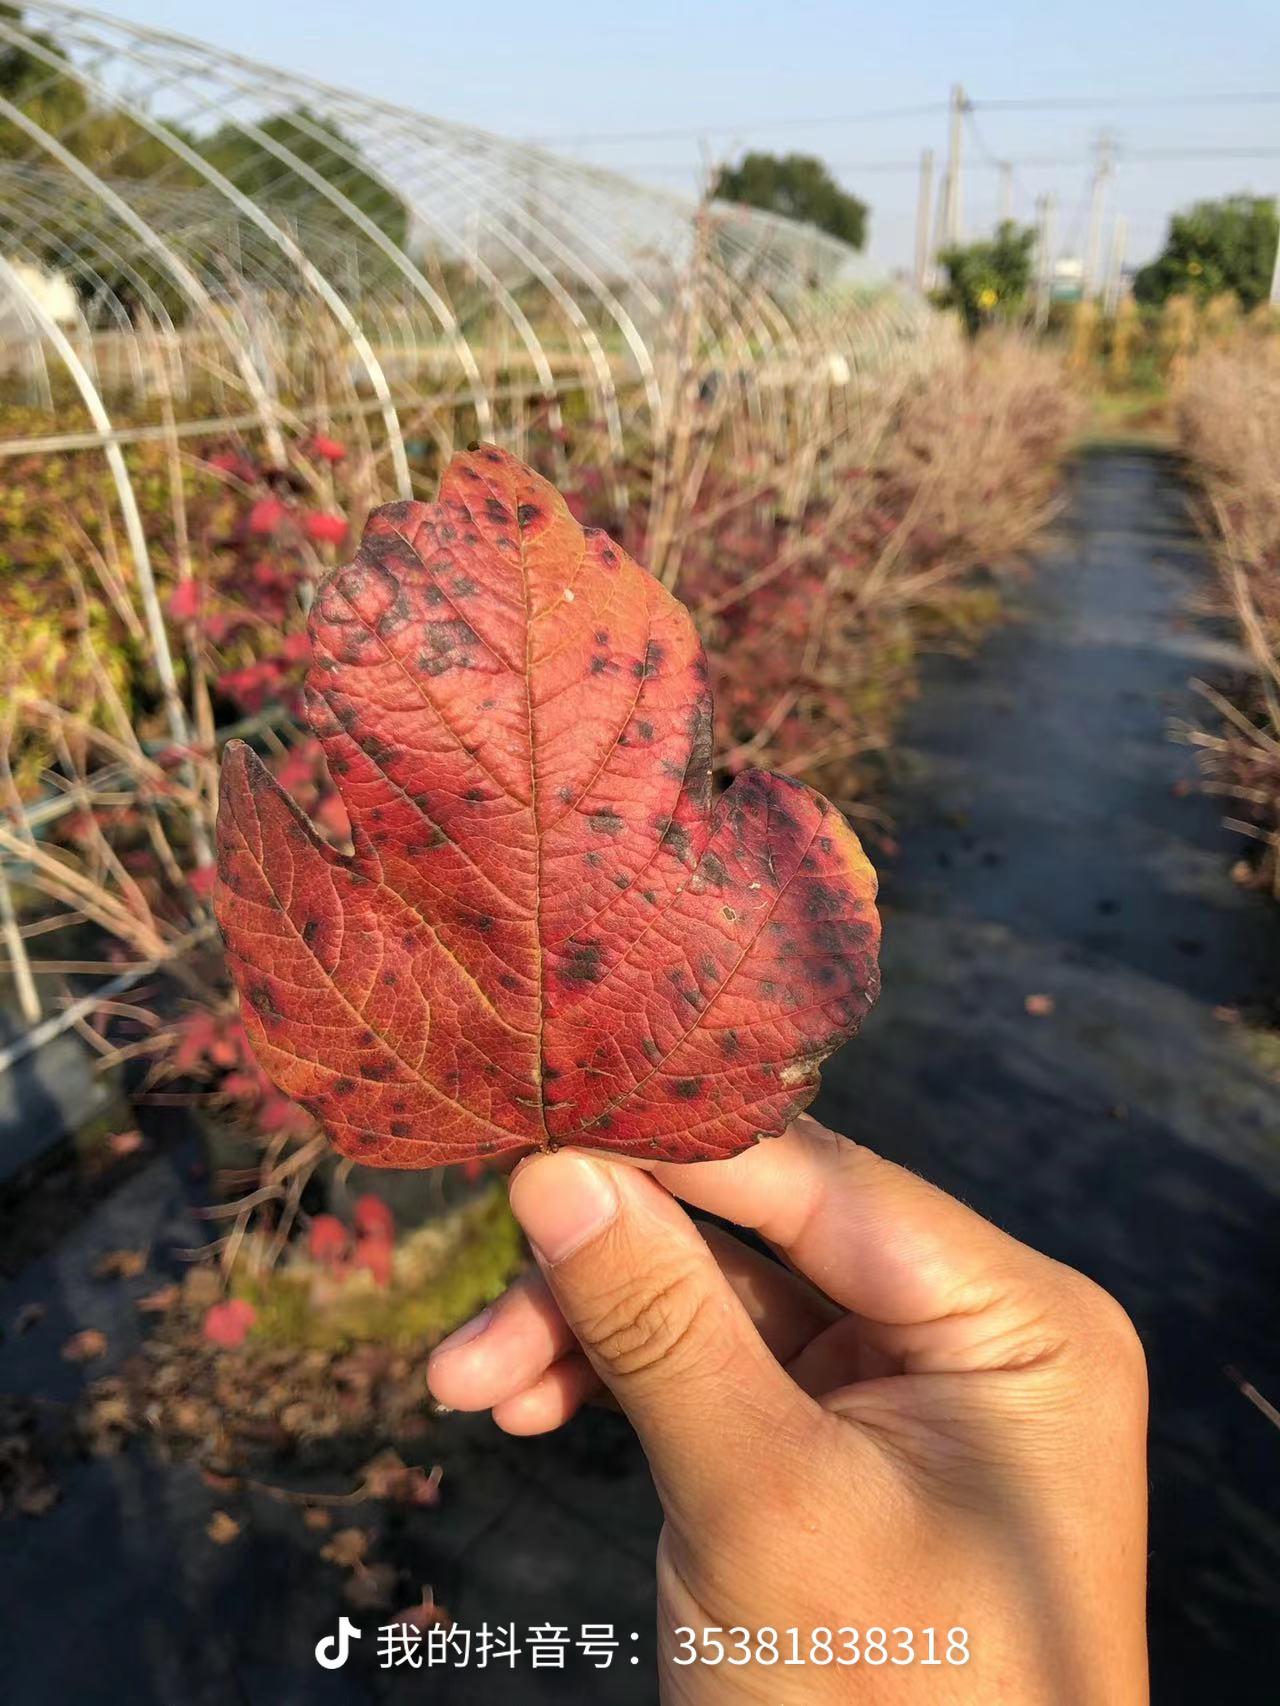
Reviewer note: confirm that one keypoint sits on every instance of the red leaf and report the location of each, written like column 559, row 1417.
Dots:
column 325, row 529
column 373, row 1218
column 266, row 515
column 200, row 881
column 374, row 1254
column 327, row 1239
column 241, row 1087
column 277, row 1113
column 546, row 933
column 196, row 1036
column 184, row 601
column 227, row 1324
column 219, row 623
column 328, row 449
column 232, row 462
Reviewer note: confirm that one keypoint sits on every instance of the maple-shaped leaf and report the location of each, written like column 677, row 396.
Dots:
column 547, row 932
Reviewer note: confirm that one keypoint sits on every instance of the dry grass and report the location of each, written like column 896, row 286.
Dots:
column 1230, row 427
column 820, row 525
column 819, row 550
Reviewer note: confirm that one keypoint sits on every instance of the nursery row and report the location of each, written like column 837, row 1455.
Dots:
column 1230, row 425
column 819, row 547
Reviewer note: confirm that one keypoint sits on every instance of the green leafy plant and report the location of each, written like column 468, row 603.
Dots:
column 1214, row 247
column 988, row 280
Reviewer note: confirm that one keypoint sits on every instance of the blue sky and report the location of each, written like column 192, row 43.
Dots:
column 733, row 73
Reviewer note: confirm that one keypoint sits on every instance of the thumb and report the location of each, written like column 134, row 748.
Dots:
column 660, row 1325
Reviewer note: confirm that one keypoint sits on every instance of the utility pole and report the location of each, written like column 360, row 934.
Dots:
column 1115, row 267
column 1006, row 191
column 1097, row 200
column 1275, row 271
column 954, row 221
column 924, row 208
column 939, row 223
column 1044, row 259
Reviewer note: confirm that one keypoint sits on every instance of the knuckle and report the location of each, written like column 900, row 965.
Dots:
column 660, row 1319
column 1103, row 1329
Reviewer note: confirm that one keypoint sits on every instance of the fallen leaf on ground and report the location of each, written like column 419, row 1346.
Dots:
column 106, row 1419
column 1039, row 1006
column 156, row 1302
column 27, row 1317
column 120, row 1264
column 222, row 1529
column 347, row 1548
column 123, row 1143
column 85, row 1346
column 388, row 1476
column 518, row 718
column 220, row 1483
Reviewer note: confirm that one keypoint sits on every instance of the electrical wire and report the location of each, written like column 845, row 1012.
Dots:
column 1027, row 162
column 1087, row 103
column 879, row 116
column 924, row 109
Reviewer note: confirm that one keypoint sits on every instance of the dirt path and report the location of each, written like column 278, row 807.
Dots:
column 1046, row 852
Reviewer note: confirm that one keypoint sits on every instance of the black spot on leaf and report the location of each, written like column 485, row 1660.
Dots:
column 584, row 962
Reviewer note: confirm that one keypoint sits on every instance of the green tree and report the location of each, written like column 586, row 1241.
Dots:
column 30, row 83
column 260, row 174
column 799, row 186
column 1214, row 247
column 989, row 279
column 106, row 139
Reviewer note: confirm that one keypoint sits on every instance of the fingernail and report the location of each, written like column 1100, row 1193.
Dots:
column 561, row 1201
column 463, row 1335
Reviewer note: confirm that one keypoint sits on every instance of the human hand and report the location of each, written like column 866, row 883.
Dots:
column 919, row 1424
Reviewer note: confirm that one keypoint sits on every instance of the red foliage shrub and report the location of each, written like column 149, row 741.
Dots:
column 266, row 516
column 325, row 529
column 227, row 1324
column 328, row 1241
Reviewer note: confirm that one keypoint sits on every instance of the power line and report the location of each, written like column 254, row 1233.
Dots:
column 1085, row 103
column 1006, row 168
column 924, row 109
column 1027, row 162
column 1210, row 153
column 881, row 115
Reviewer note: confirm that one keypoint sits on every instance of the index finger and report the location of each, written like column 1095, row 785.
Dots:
column 877, row 1239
